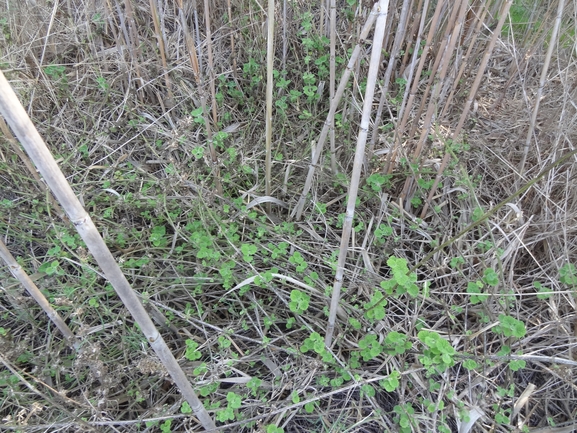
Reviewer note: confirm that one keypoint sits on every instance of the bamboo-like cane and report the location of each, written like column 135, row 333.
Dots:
column 411, row 46
column 467, row 107
column 414, row 87
column 24, row 129
column 269, row 89
column 197, row 70
column 161, row 48
column 441, row 49
column 399, row 37
column 332, row 78
column 232, row 49
column 331, row 116
column 542, row 80
column 211, row 73
column 132, row 42
column 29, row 285
column 446, row 53
column 480, row 20
column 382, row 11
column 410, row 75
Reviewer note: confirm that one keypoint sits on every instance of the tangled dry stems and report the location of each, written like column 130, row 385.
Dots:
column 115, row 382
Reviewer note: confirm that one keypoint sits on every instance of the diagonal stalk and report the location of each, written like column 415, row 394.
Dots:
column 34, row 145
column 382, row 11
column 35, row 292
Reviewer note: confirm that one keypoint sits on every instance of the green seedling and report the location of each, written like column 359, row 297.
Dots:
column 405, row 417
column 248, row 252
column 543, row 292
column 370, row 347
column 391, row 382
column 157, row 236
column 396, row 343
column 375, row 308
column 402, row 280
column 490, row 277
column 185, row 408
column 474, row 289
column 568, row 274
column 51, row 268
column 192, row 354
column 298, row 260
column 510, row 327
column 234, row 401
column 438, row 354
column 299, row 302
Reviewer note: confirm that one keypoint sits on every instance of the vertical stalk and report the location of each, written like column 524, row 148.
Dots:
column 415, row 84
column 382, row 11
column 467, row 107
column 211, row 75
column 269, row 88
column 333, row 37
column 399, row 36
column 542, row 79
column 197, row 70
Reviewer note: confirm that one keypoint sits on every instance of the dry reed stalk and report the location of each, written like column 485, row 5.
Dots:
column 269, row 89
column 333, row 108
column 285, row 40
column 382, row 11
column 24, row 129
column 161, row 48
column 415, row 86
column 131, row 37
column 441, row 49
column 198, row 77
column 232, row 50
column 211, row 73
column 399, row 37
column 40, row 299
column 448, row 46
column 332, row 79
column 412, row 34
column 471, row 41
column 410, row 76
column 467, row 107
column 542, row 81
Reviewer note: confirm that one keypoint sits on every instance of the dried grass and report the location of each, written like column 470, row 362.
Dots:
column 118, row 383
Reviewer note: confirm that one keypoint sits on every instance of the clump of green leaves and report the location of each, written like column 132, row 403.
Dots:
column 370, row 347
column 396, row 343
column 510, row 327
column 298, row 260
column 192, row 353
column 402, row 280
column 299, row 302
column 404, row 417
column 234, row 401
column 568, row 274
column 438, row 354
column 391, row 382
column 375, row 308
column 316, row 343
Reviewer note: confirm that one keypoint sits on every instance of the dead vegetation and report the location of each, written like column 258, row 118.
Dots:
column 165, row 148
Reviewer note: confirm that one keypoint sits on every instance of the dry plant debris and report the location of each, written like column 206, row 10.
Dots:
column 480, row 337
